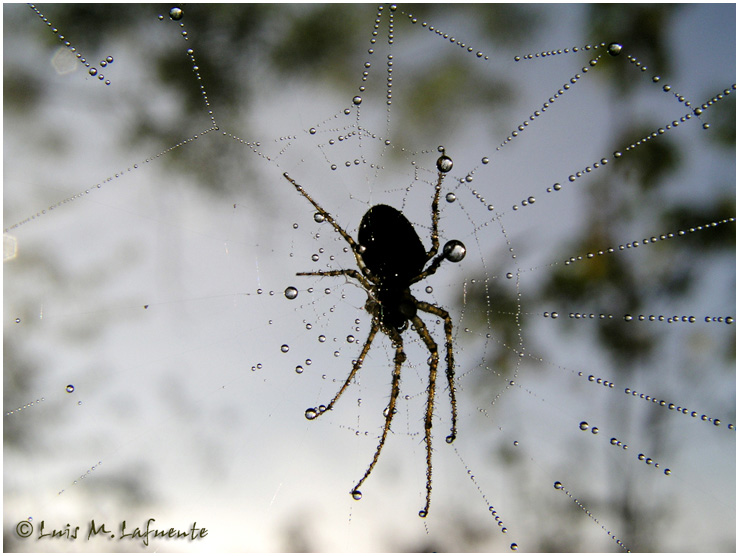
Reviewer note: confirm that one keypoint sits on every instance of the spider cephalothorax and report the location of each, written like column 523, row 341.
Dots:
column 391, row 258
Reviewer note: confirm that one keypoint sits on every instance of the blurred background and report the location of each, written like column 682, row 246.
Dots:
column 154, row 368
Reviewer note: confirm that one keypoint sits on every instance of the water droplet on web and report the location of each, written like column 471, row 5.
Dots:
column 284, row 348
column 514, row 546
column 291, row 292
column 176, row 13
column 356, row 494
column 17, row 320
column 357, row 100
column 70, row 388
column 299, row 369
column 311, row 413
column 584, row 426
column 93, row 71
column 318, row 217
column 614, row 49
column 429, row 289
column 454, row 250
column 450, row 197
column 444, row 164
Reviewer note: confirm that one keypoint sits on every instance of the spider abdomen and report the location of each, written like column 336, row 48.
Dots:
column 392, row 250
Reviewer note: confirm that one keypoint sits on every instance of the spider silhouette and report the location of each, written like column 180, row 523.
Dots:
column 391, row 258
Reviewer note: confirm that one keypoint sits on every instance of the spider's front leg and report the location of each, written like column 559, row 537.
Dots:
column 330, row 219
column 444, row 165
column 344, row 272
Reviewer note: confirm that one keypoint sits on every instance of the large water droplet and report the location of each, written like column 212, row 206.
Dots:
column 454, row 250
column 614, row 49
column 444, row 164
column 291, row 292
column 284, row 348
column 357, row 494
column 70, row 388
column 176, row 13
column 311, row 413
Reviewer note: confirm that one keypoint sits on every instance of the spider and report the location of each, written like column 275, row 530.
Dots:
column 391, row 258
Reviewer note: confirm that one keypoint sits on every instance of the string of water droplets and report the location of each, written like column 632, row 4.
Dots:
column 560, row 487
column 59, row 65
column 175, row 14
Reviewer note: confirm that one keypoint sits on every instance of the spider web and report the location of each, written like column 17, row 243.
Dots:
column 159, row 295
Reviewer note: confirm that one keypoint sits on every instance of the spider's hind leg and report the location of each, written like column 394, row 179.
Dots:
column 355, row 368
column 390, row 411
column 428, row 421
column 439, row 312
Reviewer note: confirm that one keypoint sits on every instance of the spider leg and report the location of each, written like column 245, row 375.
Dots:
column 439, row 312
column 433, row 364
column 344, row 272
column 330, row 219
column 355, row 368
column 435, row 218
column 394, row 393
column 433, row 267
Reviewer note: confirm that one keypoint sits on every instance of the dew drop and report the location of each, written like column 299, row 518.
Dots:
column 444, row 164
column 454, row 250
column 422, row 513
column 429, row 289
column 318, row 217
column 70, row 388
column 17, row 320
column 291, row 292
column 176, row 13
column 450, row 197
column 299, row 369
column 284, row 348
column 514, row 546
column 357, row 100
column 357, row 494
column 558, row 485
column 311, row 413
column 93, row 71
column 584, row 426
column 614, row 49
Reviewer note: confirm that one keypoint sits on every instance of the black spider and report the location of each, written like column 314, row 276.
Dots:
column 391, row 258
